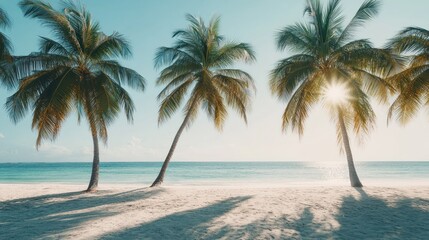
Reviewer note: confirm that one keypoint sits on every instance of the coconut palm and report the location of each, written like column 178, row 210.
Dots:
column 332, row 68
column 5, row 49
column 201, row 61
column 76, row 72
column 413, row 82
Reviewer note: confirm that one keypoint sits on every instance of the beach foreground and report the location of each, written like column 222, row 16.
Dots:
column 40, row 211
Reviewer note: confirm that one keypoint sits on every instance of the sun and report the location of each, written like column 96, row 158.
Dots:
column 336, row 94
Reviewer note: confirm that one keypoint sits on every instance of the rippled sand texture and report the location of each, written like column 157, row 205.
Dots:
column 43, row 211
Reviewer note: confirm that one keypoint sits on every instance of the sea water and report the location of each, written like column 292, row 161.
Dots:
column 216, row 173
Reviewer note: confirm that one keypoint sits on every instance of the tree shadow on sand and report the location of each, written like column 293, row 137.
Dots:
column 48, row 215
column 365, row 217
column 270, row 227
column 373, row 218
column 191, row 224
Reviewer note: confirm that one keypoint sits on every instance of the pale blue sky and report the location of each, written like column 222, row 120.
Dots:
column 148, row 25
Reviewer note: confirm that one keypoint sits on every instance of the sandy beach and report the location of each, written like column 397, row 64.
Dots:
column 55, row 211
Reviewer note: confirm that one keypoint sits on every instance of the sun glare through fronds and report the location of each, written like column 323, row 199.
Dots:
column 336, row 94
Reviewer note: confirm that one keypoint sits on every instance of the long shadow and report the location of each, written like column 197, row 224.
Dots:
column 282, row 227
column 191, row 224
column 373, row 218
column 304, row 227
column 47, row 215
column 364, row 217
column 196, row 224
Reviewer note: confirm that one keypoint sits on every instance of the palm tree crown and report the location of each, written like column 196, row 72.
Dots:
column 413, row 82
column 327, row 55
column 77, row 71
column 201, row 59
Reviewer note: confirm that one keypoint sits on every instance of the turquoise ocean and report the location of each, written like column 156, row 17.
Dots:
column 215, row 173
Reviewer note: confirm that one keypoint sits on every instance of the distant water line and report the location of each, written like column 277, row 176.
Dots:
column 213, row 173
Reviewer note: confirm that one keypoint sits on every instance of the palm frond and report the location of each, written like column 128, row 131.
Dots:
column 411, row 39
column 172, row 101
column 235, row 93
column 410, row 98
column 114, row 45
column 51, row 46
column 52, row 106
column 289, row 73
column 213, row 103
column 298, row 37
column 4, row 19
column 56, row 21
column 412, row 82
column 28, row 92
column 229, row 53
column 367, row 10
column 121, row 74
column 166, row 55
column 299, row 104
column 26, row 65
column 5, row 45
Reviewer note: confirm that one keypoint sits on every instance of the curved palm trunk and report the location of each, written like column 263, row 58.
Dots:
column 158, row 181
column 93, row 183
column 354, row 179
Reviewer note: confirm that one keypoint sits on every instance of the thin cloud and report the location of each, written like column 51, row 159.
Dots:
column 135, row 149
column 52, row 150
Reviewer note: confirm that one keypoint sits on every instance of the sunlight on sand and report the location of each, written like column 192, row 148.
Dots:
column 125, row 211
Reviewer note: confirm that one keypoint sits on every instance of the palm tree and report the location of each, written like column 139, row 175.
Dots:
column 5, row 49
column 201, row 60
column 332, row 68
column 77, row 72
column 413, row 82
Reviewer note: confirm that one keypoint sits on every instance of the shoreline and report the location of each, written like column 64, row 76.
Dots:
column 247, row 184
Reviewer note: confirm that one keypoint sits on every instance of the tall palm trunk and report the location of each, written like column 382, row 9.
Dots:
column 158, row 181
column 354, row 179
column 93, row 183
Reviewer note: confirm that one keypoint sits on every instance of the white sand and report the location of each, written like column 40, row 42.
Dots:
column 46, row 211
